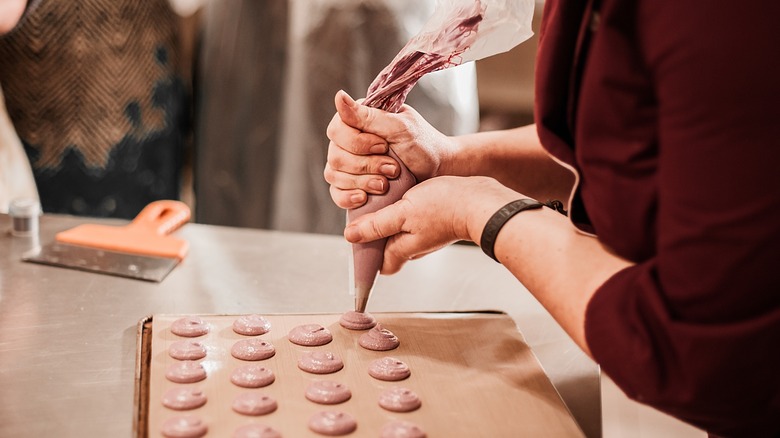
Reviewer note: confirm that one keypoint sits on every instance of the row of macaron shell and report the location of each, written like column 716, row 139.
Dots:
column 255, row 376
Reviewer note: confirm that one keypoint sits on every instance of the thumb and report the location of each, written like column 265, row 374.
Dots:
column 356, row 115
column 382, row 223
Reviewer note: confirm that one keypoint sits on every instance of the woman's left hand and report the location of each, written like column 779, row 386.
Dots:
column 431, row 215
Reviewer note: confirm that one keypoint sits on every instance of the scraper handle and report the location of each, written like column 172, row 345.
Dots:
column 162, row 217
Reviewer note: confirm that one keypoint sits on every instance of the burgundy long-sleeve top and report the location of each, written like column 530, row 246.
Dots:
column 669, row 110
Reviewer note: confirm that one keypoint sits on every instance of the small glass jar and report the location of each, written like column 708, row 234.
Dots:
column 25, row 213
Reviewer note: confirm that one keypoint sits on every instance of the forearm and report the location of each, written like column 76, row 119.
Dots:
column 560, row 266
column 514, row 157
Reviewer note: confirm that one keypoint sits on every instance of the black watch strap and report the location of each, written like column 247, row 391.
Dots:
column 499, row 219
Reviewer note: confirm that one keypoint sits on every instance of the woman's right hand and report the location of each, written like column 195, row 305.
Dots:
column 431, row 215
column 360, row 136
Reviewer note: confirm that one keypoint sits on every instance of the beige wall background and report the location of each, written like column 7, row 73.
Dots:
column 505, row 83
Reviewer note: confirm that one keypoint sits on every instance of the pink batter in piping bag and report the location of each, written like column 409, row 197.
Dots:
column 457, row 27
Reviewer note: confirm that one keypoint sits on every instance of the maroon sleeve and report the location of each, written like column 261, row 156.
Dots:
column 695, row 331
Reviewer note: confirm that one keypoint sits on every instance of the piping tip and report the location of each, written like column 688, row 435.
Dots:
column 361, row 297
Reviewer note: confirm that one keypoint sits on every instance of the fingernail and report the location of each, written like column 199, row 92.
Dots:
column 378, row 148
column 387, row 169
column 357, row 198
column 347, row 98
column 352, row 233
column 376, row 184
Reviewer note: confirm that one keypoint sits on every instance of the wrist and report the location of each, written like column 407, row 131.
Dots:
column 497, row 221
column 486, row 202
column 499, row 217
column 455, row 160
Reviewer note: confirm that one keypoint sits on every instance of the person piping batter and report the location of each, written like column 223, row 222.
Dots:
column 656, row 126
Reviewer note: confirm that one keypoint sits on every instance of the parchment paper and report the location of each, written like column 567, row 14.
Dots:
column 473, row 372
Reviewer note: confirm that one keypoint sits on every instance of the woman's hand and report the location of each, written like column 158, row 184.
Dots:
column 432, row 214
column 359, row 140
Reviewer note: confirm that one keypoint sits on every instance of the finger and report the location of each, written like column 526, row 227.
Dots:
column 373, row 226
column 364, row 118
column 401, row 248
column 393, row 262
column 342, row 161
column 404, row 247
column 347, row 199
column 374, row 184
column 393, row 259
column 354, row 140
column 391, row 265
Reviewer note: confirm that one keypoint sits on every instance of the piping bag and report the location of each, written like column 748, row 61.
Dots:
column 459, row 31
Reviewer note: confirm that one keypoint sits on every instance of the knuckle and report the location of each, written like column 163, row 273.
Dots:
column 335, row 160
column 376, row 229
column 369, row 117
column 332, row 149
column 405, row 209
column 327, row 173
column 364, row 143
column 339, row 198
column 394, row 260
column 364, row 166
column 334, row 126
column 330, row 131
column 394, row 252
column 405, row 123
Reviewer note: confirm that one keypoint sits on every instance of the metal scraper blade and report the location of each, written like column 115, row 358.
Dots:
column 120, row 264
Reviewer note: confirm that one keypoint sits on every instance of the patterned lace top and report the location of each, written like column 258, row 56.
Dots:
column 92, row 90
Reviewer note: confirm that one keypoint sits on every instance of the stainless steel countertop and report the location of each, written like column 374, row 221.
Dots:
column 68, row 338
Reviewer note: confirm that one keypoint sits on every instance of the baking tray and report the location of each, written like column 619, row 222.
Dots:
column 473, row 372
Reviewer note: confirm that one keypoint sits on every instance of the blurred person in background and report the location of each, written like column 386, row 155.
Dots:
column 267, row 72
column 95, row 92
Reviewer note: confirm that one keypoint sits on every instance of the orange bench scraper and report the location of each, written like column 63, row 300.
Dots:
column 142, row 249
